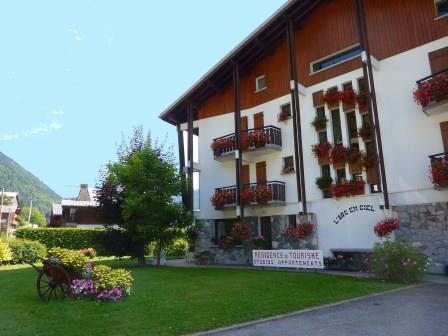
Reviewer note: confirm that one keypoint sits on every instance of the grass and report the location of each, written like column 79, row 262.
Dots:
column 171, row 301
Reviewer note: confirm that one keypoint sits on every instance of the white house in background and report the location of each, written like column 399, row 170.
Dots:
column 81, row 211
column 279, row 80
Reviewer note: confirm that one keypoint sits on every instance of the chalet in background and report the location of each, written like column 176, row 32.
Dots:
column 80, row 212
column 333, row 113
column 9, row 212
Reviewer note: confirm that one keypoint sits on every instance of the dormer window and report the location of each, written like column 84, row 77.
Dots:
column 260, row 83
column 441, row 7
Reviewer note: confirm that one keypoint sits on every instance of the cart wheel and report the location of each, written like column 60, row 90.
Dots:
column 53, row 284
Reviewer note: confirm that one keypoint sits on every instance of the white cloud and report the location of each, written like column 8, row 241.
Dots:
column 40, row 130
column 57, row 113
column 75, row 34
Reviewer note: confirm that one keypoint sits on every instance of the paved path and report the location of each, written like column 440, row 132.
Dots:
column 417, row 311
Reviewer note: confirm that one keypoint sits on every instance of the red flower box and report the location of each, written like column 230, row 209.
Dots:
column 385, row 227
column 348, row 188
column 263, row 194
column 332, row 98
column 361, row 99
column 282, row 116
column 322, row 152
column 338, row 155
column 221, row 198
column 247, row 196
column 348, row 98
column 432, row 90
column 302, row 231
column 219, row 145
column 439, row 173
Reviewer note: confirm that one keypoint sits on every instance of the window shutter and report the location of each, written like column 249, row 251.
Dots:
column 245, row 178
column 258, row 120
column 438, row 60
column 261, row 172
column 444, row 130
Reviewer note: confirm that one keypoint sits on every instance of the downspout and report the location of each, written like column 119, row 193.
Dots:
column 238, row 152
column 372, row 103
column 190, row 156
column 298, row 144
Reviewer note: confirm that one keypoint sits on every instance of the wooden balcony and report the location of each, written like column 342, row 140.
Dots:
column 269, row 193
column 254, row 142
column 432, row 93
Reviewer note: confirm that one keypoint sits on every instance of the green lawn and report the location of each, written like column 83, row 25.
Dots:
column 171, row 301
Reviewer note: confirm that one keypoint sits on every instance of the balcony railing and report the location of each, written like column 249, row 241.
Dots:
column 272, row 192
column 432, row 93
column 439, row 170
column 251, row 140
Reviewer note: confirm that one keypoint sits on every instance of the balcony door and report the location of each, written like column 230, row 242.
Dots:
column 444, row 130
column 266, row 231
column 261, row 172
column 259, row 120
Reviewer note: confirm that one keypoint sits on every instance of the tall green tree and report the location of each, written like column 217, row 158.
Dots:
column 37, row 217
column 149, row 185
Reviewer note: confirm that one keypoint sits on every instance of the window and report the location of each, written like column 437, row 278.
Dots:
column 352, row 128
column 335, row 59
column 260, row 83
column 340, row 175
column 337, row 131
column 292, row 220
column 325, row 171
column 288, row 165
column 286, row 109
column 320, row 111
column 323, row 138
column 441, row 7
column 223, row 227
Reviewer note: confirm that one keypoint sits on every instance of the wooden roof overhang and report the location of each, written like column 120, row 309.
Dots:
column 255, row 47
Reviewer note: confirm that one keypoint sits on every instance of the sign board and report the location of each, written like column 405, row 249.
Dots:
column 288, row 258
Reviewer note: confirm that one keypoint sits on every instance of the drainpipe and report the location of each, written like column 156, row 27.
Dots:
column 298, row 144
column 371, row 97
column 190, row 156
column 238, row 152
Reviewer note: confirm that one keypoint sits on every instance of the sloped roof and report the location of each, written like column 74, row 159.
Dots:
column 254, row 48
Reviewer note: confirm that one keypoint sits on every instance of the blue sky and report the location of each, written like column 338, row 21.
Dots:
column 76, row 75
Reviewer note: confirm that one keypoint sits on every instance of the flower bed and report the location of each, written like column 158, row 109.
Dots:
column 385, row 227
column 432, row 91
column 221, row 198
column 259, row 242
column 348, row 188
column 238, row 235
column 439, row 173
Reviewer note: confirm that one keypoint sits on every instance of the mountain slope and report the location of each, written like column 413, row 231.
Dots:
column 14, row 177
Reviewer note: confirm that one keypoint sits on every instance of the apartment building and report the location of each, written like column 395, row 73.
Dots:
column 316, row 118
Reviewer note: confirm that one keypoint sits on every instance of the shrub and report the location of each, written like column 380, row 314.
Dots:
column 26, row 250
column 398, row 262
column 72, row 259
column 320, row 122
column 5, row 253
column 115, row 242
column 324, row 182
column 107, row 278
column 69, row 238
column 177, row 248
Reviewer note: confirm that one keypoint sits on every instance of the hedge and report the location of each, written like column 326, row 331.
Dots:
column 69, row 238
